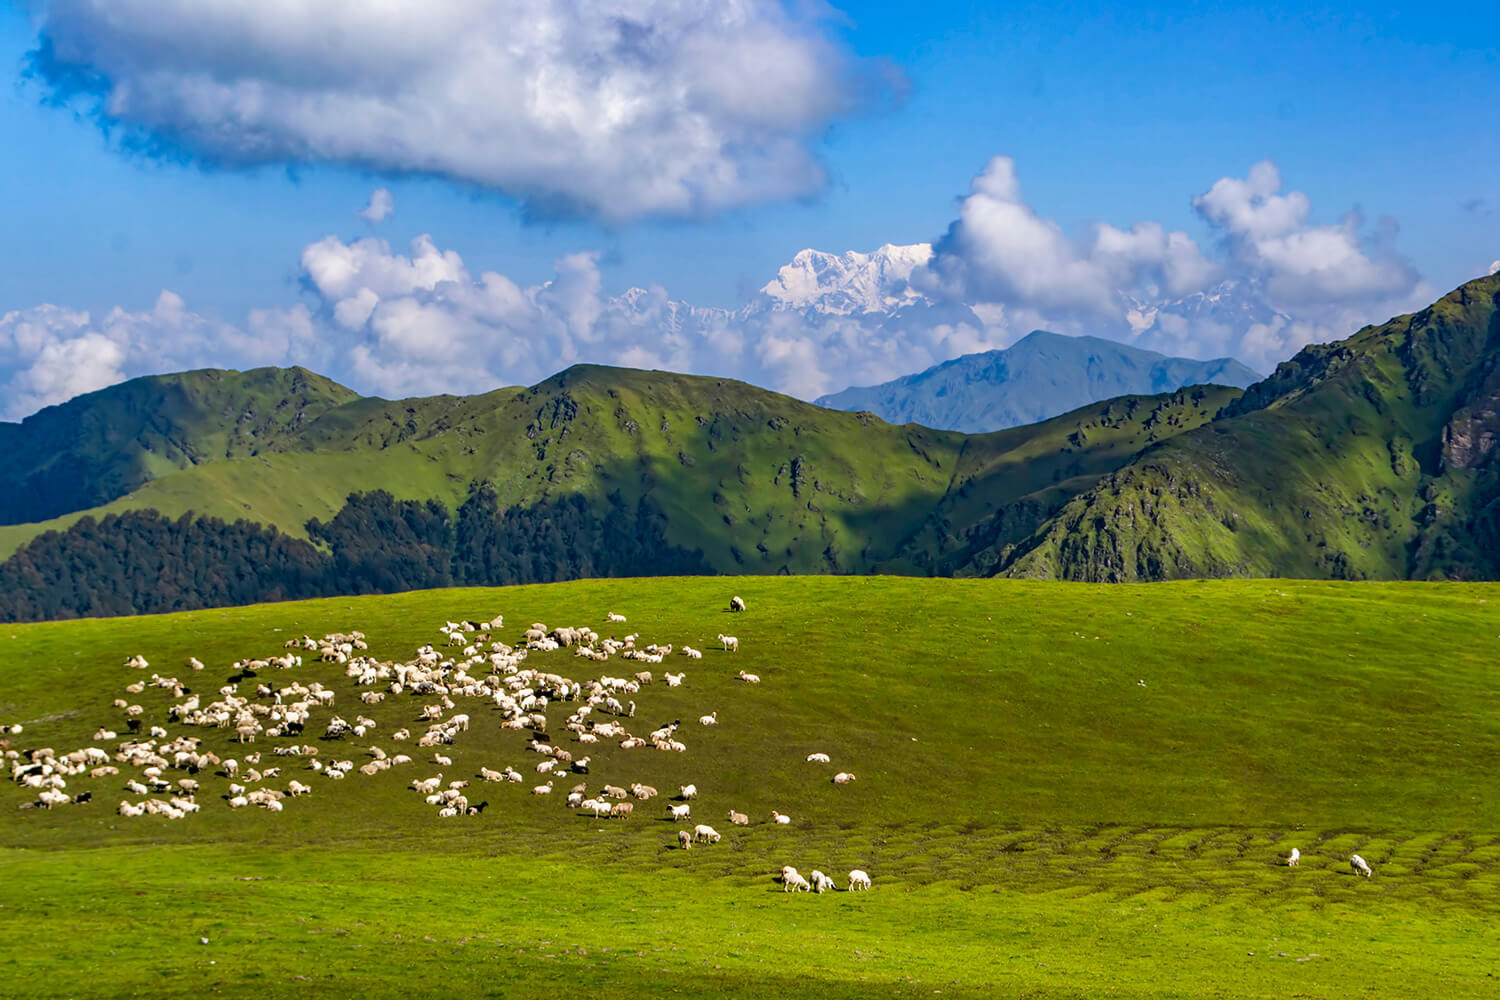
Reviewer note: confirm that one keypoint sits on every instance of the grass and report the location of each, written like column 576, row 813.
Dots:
column 1038, row 823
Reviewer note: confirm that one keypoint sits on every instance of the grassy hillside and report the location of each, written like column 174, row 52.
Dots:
column 1062, row 790
column 102, row 445
column 758, row 481
column 1370, row 458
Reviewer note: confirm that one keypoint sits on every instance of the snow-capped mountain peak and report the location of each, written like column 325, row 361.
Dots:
column 849, row 283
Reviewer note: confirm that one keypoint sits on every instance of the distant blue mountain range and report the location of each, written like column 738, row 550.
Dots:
column 1040, row 376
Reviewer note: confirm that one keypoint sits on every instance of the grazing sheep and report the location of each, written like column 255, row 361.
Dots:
column 843, row 778
column 681, row 812
column 684, row 839
column 858, row 880
column 704, row 834
column 819, row 758
column 794, row 882
column 622, row 810
column 736, row 603
column 738, row 819
column 780, row 818
column 1360, row 866
column 731, row 643
column 822, row 883
column 1293, row 858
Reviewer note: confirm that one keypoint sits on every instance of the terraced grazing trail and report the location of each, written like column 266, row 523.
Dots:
column 1059, row 790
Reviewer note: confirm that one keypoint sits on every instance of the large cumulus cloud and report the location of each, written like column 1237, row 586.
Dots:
column 613, row 109
column 1270, row 283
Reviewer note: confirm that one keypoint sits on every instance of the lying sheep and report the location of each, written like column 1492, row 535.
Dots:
column 779, row 818
column 819, row 758
column 738, row 818
column 843, row 778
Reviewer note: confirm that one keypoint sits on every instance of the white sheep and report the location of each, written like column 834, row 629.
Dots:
column 684, row 839
column 711, row 719
column 542, row 789
column 736, row 603
column 819, row 758
column 1293, row 858
column 748, row 678
column 822, row 883
column 781, row 819
column 691, row 653
column 688, row 791
column 704, row 834
column 674, row 680
column 794, row 882
column 614, row 618
column 681, row 812
column 731, row 643
column 1360, row 866
column 738, row 818
column 858, row 880
column 843, row 778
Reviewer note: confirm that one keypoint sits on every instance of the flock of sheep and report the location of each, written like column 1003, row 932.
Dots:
column 164, row 771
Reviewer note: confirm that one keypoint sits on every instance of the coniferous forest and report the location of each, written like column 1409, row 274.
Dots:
column 141, row 562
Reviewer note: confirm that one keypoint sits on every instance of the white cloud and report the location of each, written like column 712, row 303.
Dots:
column 1000, row 251
column 1268, row 235
column 421, row 320
column 49, row 354
column 614, row 109
column 1276, row 284
column 382, row 204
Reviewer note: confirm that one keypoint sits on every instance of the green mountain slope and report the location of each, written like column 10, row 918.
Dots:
column 1373, row 457
column 102, row 445
column 749, row 480
column 1040, row 376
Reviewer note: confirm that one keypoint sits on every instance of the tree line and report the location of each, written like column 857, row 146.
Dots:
column 141, row 562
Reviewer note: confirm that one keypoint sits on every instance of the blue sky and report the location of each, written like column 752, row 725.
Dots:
column 1109, row 112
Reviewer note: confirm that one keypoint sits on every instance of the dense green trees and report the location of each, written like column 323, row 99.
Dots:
column 141, row 562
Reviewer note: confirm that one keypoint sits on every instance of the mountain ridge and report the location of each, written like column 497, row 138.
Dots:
column 1041, row 375
column 1374, row 457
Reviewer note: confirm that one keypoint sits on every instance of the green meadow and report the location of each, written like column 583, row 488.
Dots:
column 1062, row 791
